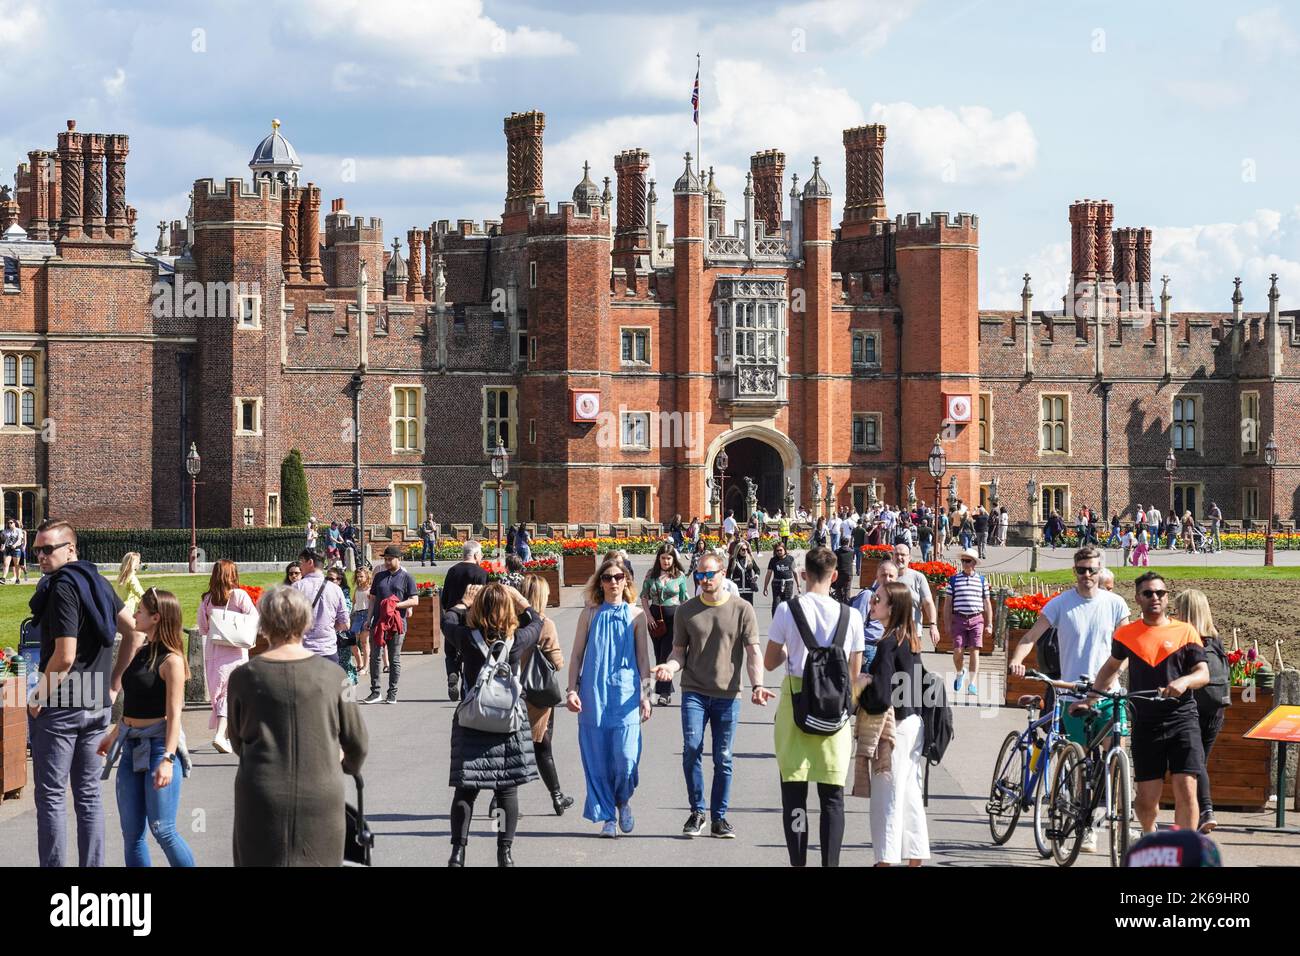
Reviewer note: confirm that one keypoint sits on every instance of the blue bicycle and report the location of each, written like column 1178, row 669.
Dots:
column 1024, row 770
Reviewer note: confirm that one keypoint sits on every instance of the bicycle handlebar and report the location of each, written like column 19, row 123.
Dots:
column 1086, row 687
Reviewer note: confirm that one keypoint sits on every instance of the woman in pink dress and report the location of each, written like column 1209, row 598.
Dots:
column 220, row 660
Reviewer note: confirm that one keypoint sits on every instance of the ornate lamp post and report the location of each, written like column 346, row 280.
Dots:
column 192, row 465
column 720, row 466
column 500, row 464
column 938, row 467
column 1032, row 489
column 1270, row 459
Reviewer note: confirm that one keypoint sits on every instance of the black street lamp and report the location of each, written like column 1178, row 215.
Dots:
column 1171, row 463
column 1270, row 459
column 500, row 464
column 192, row 465
column 1031, row 488
column 720, row 464
column 938, row 468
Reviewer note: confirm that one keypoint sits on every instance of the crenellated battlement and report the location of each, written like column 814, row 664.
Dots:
column 937, row 227
column 860, row 288
column 341, row 227
column 236, row 187
column 568, row 219
column 466, row 228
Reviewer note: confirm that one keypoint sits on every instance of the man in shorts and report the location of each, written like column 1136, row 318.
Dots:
column 970, row 618
column 1168, row 657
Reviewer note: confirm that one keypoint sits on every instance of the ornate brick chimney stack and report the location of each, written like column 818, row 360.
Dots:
column 70, row 173
column 309, row 234
column 1143, row 269
column 864, row 176
column 116, row 148
column 1083, row 257
column 93, row 200
column 768, row 170
column 631, row 237
column 523, row 168
column 414, row 267
column 1126, row 280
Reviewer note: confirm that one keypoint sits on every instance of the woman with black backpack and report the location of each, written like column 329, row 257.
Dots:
column 483, row 760
column 810, row 751
column 1193, row 607
column 898, row 826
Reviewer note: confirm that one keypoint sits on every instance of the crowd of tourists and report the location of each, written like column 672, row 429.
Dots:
column 847, row 686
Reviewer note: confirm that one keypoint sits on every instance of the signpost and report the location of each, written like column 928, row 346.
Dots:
column 1281, row 725
column 354, row 498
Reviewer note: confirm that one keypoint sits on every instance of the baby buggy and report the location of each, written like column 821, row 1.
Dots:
column 1202, row 543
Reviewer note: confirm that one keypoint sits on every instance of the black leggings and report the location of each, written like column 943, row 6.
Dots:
column 1211, row 724
column 664, row 648
column 546, row 759
column 462, row 812
column 794, row 818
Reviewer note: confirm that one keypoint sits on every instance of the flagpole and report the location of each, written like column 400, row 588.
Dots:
column 699, row 158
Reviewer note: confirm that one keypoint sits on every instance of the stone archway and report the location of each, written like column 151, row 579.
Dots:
column 766, row 456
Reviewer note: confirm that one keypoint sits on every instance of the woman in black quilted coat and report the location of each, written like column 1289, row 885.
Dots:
column 480, row 760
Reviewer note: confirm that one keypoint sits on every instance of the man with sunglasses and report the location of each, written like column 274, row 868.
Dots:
column 1168, row 657
column 1085, row 619
column 714, row 634
column 970, row 618
column 78, row 617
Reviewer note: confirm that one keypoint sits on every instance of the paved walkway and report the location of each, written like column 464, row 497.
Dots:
column 407, row 797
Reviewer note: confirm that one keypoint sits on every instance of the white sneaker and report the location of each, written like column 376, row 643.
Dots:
column 1089, row 841
column 221, row 745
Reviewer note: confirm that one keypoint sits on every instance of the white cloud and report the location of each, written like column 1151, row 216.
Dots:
column 970, row 145
column 1049, row 277
column 20, row 23
column 1202, row 259
column 115, row 84
column 419, row 40
column 1265, row 34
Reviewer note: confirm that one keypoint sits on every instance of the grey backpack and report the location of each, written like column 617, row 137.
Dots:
column 495, row 704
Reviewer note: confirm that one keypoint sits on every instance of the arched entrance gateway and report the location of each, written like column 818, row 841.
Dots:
column 764, row 456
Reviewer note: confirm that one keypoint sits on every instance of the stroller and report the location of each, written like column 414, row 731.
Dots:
column 1202, row 543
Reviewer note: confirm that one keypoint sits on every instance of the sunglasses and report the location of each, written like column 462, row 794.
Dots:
column 1150, row 593
column 705, row 575
column 967, row 560
column 45, row 550
column 611, row 578
column 1081, row 570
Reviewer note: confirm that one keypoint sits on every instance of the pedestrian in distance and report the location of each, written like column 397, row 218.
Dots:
column 970, row 619
column 780, row 576
column 743, row 572
column 149, row 740
column 292, row 572
column 609, row 690
column 223, row 597
column 362, row 578
column 465, row 573
column 715, row 636
column 329, row 608
column 392, row 597
column 428, row 540
column 662, row 593
column 129, row 588
column 289, row 722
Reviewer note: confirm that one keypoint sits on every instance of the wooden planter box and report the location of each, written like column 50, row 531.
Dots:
column 13, row 736
column 578, row 568
column 424, row 626
column 945, row 637
column 552, row 578
column 1017, row 686
column 1238, row 768
column 869, row 568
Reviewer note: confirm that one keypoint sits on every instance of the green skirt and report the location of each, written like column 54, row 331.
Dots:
column 810, row 758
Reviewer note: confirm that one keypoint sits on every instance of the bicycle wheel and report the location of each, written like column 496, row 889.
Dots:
column 1120, row 788
column 1005, row 794
column 1068, row 811
column 1042, row 800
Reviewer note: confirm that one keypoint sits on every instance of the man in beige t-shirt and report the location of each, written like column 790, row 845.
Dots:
column 712, row 632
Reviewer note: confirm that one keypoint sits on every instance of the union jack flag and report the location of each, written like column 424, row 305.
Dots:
column 695, row 97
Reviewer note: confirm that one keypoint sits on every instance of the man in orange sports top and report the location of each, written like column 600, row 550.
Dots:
column 1165, row 656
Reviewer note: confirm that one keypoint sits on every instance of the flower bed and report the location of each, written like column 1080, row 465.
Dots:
column 1255, row 540
column 936, row 572
column 1023, row 610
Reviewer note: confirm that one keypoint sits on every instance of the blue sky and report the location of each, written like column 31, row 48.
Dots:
column 1181, row 114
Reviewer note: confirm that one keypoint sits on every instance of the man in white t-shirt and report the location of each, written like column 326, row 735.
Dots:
column 1085, row 620
column 924, row 611
column 729, row 526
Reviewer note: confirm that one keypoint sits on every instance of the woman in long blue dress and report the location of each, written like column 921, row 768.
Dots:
column 609, row 691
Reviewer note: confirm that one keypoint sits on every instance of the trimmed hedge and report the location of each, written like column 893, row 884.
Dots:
column 172, row 545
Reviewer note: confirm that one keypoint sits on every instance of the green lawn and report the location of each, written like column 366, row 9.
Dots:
column 1181, row 572
column 188, row 588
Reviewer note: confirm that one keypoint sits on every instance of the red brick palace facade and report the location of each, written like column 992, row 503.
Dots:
column 614, row 358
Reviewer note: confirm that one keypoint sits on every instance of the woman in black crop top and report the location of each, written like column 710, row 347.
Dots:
column 893, row 682
column 149, row 740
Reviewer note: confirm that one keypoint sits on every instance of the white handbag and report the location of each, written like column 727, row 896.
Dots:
column 232, row 628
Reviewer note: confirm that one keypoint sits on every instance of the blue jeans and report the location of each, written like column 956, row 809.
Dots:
column 722, row 715
column 426, row 552
column 925, row 551
column 525, row 553
column 64, row 741
column 139, row 802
